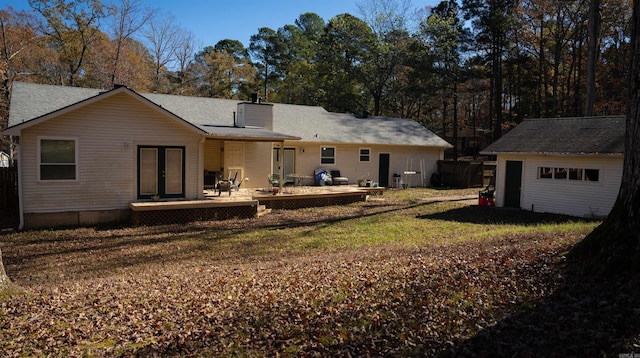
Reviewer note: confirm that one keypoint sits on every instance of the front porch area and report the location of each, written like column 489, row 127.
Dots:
column 245, row 203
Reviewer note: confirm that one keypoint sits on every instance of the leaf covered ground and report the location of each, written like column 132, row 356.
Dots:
column 401, row 275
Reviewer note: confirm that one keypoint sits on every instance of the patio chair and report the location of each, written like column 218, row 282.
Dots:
column 338, row 179
column 274, row 180
column 235, row 184
column 228, row 184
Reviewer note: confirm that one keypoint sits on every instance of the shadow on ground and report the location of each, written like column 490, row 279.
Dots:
column 491, row 215
column 9, row 219
column 587, row 316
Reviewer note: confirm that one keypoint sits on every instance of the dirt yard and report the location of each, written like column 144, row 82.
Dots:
column 402, row 275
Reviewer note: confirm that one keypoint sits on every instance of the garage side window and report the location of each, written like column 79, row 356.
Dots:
column 545, row 173
column 577, row 174
column 591, row 175
column 58, row 159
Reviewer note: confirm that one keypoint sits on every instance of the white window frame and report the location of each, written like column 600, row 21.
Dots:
column 567, row 174
column 360, row 155
column 76, row 157
column 324, row 147
column 584, row 175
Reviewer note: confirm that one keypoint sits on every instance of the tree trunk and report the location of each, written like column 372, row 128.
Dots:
column 614, row 246
column 577, row 82
column 592, row 56
column 4, row 279
column 541, row 66
column 455, row 121
column 497, row 83
column 7, row 288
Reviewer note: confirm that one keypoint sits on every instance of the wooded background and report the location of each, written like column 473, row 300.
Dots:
column 481, row 64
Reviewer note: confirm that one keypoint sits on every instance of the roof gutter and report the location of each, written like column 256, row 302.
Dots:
column 556, row 154
column 249, row 138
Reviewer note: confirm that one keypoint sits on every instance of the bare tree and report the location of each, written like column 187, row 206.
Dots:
column 128, row 19
column 386, row 16
column 184, row 52
column 163, row 42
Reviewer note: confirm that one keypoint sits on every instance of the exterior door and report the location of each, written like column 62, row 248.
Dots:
column 288, row 161
column 383, row 170
column 513, row 184
column 234, row 159
column 160, row 172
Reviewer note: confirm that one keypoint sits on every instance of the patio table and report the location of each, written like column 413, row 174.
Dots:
column 298, row 179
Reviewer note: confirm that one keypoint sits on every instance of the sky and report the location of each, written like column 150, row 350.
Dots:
column 213, row 20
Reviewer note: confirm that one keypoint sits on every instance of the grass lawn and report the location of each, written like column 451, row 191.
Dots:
column 400, row 275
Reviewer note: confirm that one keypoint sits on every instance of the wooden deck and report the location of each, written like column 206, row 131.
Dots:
column 245, row 203
column 183, row 211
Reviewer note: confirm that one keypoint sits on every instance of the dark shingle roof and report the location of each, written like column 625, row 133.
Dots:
column 310, row 123
column 564, row 136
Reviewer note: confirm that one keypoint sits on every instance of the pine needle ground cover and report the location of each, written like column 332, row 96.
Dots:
column 399, row 275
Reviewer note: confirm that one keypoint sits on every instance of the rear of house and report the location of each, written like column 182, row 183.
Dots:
column 85, row 154
column 86, row 163
column 370, row 148
column 570, row 166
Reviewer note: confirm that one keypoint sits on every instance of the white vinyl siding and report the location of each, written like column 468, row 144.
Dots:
column 109, row 132
column 581, row 198
column 349, row 164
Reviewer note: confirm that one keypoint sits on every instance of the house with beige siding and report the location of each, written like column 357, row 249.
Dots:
column 85, row 154
column 569, row 166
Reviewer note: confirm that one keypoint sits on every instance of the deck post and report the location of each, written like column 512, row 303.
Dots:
column 281, row 167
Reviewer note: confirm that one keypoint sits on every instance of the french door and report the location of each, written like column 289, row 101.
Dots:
column 160, row 172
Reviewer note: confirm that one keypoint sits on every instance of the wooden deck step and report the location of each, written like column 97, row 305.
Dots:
column 262, row 210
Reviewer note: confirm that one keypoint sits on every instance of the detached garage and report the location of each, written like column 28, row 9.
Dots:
column 569, row 166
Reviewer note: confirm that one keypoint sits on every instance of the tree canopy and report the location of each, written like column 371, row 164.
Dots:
column 490, row 62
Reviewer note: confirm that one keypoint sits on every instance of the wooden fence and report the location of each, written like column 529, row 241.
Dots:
column 461, row 174
column 8, row 197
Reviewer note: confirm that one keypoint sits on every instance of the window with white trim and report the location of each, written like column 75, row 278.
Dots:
column 328, row 155
column 576, row 174
column 58, row 159
column 365, row 155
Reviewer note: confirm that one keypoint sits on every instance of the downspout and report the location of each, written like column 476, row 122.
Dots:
column 20, row 201
column 201, row 167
